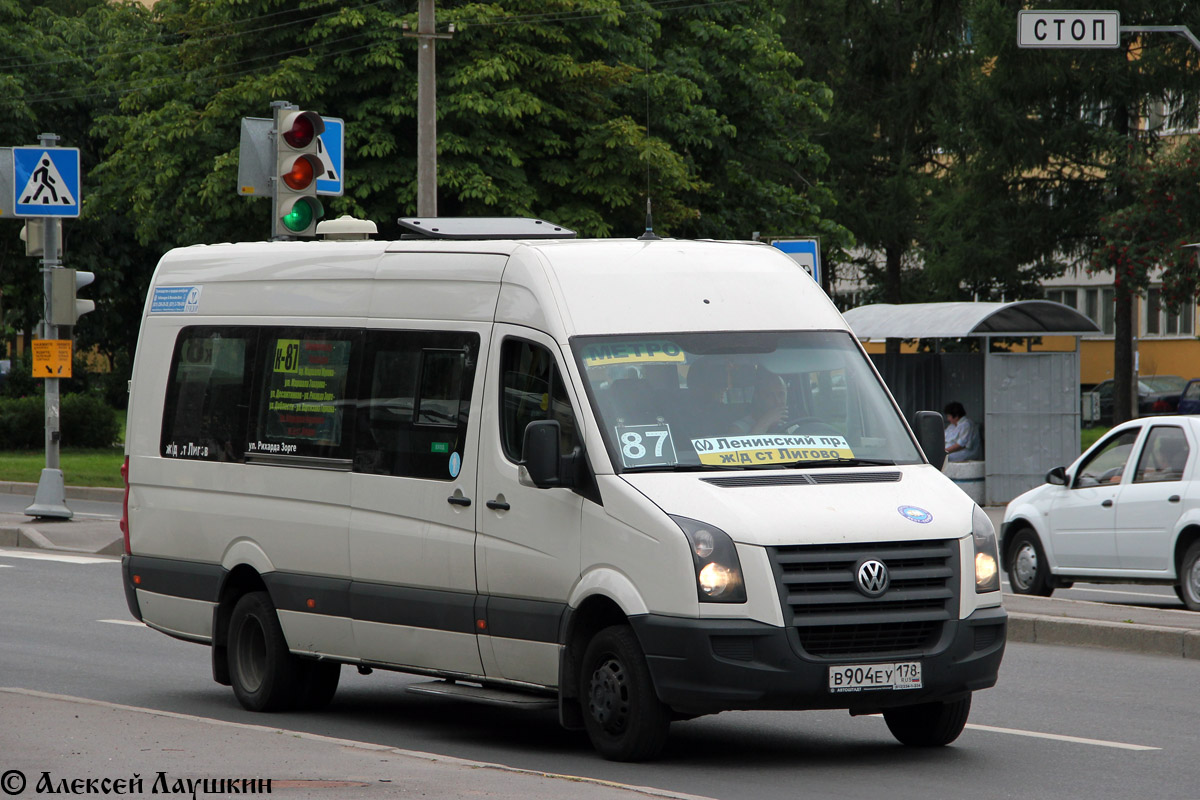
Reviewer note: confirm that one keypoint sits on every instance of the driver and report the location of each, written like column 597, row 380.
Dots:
column 768, row 408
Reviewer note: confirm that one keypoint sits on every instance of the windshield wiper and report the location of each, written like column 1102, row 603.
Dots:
column 839, row 462
column 688, row 468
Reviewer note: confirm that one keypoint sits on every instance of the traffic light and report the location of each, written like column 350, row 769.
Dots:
column 297, row 167
column 65, row 307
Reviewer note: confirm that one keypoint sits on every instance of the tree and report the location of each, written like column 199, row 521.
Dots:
column 1064, row 129
column 892, row 68
column 44, row 77
column 1150, row 234
column 570, row 110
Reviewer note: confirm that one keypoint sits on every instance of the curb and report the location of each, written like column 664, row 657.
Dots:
column 98, row 493
column 30, row 537
column 1130, row 637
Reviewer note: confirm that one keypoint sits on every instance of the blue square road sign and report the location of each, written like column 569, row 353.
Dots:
column 46, row 182
column 806, row 252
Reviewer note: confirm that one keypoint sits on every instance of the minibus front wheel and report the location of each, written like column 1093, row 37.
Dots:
column 929, row 724
column 621, row 711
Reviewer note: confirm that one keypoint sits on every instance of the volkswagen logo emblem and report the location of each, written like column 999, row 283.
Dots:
column 873, row 578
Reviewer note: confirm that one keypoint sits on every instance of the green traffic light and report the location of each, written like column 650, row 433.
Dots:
column 299, row 218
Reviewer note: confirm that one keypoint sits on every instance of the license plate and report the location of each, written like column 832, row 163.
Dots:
column 865, row 677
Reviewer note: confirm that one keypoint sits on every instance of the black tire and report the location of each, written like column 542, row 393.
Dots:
column 622, row 714
column 1188, row 588
column 318, row 684
column 928, row 724
column 265, row 675
column 1028, row 572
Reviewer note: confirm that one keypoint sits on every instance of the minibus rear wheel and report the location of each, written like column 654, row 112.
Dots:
column 318, row 683
column 264, row 674
column 621, row 711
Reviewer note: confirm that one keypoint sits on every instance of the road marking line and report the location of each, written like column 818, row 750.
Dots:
column 132, row 622
column 42, row 555
column 1062, row 738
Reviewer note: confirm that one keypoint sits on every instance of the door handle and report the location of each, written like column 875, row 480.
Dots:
column 498, row 505
column 1107, row 503
column 1173, row 498
column 458, row 500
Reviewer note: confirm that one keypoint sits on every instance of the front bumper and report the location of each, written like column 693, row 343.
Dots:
column 706, row 666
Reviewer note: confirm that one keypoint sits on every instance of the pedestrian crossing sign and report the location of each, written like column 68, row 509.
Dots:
column 45, row 182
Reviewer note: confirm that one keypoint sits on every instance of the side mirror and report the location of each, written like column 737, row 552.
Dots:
column 1057, row 476
column 540, row 453
column 931, row 435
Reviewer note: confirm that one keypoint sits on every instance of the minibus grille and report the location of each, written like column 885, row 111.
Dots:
column 833, row 618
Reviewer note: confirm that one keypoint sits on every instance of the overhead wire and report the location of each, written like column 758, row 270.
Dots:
column 165, row 79
column 157, row 44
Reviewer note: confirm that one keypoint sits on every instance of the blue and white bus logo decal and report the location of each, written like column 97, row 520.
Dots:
column 455, row 464
column 915, row 514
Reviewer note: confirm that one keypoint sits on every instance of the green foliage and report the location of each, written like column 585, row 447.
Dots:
column 571, row 110
column 892, row 68
column 22, row 423
column 1151, row 231
column 20, row 381
column 85, row 421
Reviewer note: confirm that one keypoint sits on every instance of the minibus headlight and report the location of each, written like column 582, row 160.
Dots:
column 718, row 571
column 987, row 555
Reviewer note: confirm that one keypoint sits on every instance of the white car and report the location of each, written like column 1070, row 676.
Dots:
column 1127, row 511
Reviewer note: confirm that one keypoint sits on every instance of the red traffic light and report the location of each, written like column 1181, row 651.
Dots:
column 300, row 173
column 301, row 133
column 298, row 129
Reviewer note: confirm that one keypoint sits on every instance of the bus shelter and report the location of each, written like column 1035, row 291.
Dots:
column 1013, row 366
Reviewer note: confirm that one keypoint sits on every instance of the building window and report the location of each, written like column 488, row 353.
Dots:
column 1095, row 304
column 1068, row 297
column 1167, row 118
column 1160, row 321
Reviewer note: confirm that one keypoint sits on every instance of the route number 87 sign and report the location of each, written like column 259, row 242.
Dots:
column 646, row 445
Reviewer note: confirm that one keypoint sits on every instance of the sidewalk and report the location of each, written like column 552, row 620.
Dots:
column 84, row 533
column 1174, row 632
column 57, row 741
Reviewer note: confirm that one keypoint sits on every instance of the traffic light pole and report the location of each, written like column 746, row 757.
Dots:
column 51, row 497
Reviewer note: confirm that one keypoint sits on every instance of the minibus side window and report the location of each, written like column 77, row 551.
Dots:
column 532, row 389
column 415, row 403
column 305, row 388
column 204, row 415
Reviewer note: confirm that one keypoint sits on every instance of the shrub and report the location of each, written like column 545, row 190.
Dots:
column 85, row 421
column 20, row 382
column 22, row 423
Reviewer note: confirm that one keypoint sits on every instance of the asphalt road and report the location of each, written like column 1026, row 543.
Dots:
column 1063, row 722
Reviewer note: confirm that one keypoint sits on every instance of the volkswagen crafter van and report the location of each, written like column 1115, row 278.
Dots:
column 635, row 481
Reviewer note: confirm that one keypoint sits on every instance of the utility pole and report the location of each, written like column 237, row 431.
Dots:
column 427, row 37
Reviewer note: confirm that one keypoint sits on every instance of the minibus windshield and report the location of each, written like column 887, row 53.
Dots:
column 740, row 400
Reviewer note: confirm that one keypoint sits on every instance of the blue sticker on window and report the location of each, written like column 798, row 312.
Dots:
column 455, row 464
column 915, row 514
